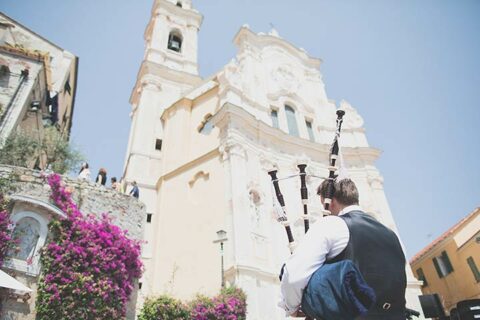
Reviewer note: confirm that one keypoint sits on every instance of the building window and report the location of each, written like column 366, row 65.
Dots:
column 29, row 234
column 175, row 41
column 206, row 126
column 310, row 130
column 158, row 144
column 474, row 268
column 179, row 4
column 442, row 265
column 274, row 116
column 291, row 121
column 26, row 234
column 149, row 217
column 421, row 277
column 4, row 76
column 140, row 285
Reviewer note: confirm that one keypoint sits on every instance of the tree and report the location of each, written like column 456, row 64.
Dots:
column 52, row 151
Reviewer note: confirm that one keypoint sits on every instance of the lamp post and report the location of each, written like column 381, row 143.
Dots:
column 221, row 238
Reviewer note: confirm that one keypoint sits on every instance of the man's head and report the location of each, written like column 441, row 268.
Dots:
column 345, row 194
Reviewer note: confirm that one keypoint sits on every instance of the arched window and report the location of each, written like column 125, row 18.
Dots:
column 179, row 4
column 26, row 234
column 291, row 121
column 175, row 41
column 206, row 126
column 30, row 233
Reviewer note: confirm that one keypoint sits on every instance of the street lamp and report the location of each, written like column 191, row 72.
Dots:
column 221, row 238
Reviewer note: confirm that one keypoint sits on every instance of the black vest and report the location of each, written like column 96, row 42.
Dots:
column 377, row 252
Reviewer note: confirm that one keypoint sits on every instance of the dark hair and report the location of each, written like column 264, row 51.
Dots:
column 84, row 166
column 113, row 179
column 344, row 191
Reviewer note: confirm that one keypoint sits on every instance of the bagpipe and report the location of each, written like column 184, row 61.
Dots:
column 282, row 215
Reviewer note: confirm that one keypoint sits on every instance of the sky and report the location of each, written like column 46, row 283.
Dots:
column 411, row 69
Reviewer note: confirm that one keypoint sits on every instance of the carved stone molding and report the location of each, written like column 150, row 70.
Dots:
column 232, row 147
column 151, row 82
column 231, row 74
column 256, row 197
column 254, row 191
column 199, row 175
column 376, row 181
column 286, row 78
column 283, row 97
column 267, row 163
column 352, row 119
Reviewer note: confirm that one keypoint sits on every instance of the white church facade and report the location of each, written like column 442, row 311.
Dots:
column 200, row 149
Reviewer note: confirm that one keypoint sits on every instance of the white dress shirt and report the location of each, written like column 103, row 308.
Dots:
column 325, row 239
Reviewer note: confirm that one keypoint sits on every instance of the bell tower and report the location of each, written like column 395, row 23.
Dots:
column 171, row 35
column 169, row 69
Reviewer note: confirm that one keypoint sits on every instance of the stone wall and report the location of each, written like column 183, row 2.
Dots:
column 127, row 212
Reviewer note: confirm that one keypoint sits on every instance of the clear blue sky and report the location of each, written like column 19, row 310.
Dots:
column 411, row 68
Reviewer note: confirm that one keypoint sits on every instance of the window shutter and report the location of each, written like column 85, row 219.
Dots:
column 474, row 268
column 446, row 262
column 421, row 277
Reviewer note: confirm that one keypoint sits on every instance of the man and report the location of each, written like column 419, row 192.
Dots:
column 349, row 234
column 135, row 191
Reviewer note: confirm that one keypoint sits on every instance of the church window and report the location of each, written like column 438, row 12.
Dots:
column 310, row 130
column 291, row 121
column 206, row 126
column 274, row 116
column 175, row 41
column 149, row 217
column 158, row 144
column 179, row 4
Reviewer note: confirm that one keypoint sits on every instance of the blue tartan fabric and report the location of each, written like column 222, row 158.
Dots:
column 337, row 291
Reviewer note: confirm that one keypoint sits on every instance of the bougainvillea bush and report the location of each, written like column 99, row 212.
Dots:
column 230, row 304
column 89, row 266
column 164, row 307
column 6, row 230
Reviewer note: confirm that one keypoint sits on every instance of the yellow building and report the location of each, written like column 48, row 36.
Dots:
column 450, row 265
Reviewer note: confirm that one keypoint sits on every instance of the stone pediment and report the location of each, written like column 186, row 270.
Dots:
column 246, row 39
column 21, row 36
column 269, row 71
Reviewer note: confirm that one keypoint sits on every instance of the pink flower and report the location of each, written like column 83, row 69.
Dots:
column 90, row 263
